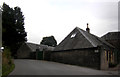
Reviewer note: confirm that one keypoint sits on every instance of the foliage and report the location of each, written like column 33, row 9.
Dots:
column 50, row 41
column 112, row 65
column 7, row 63
column 13, row 31
column 7, row 69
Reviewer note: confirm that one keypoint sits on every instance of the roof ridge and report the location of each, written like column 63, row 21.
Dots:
column 31, row 43
column 86, row 36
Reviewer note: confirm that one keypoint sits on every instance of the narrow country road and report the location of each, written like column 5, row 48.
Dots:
column 37, row 67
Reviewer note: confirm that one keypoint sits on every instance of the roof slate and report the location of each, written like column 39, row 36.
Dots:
column 111, row 36
column 83, row 39
column 41, row 47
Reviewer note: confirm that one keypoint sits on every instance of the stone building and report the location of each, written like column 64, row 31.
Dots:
column 85, row 49
column 32, row 51
column 114, row 39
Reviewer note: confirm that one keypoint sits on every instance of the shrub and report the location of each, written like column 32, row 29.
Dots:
column 7, row 63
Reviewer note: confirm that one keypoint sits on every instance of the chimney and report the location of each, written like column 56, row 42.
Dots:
column 87, row 29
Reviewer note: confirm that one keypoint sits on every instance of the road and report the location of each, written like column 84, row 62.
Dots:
column 37, row 67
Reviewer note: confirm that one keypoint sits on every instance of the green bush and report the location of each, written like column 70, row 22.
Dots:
column 7, row 63
column 6, row 69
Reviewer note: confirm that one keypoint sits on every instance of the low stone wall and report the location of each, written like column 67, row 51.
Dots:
column 86, row 57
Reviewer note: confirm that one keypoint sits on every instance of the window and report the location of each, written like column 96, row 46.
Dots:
column 107, row 55
column 73, row 35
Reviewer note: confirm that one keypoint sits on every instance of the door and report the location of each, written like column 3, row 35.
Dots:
column 40, row 55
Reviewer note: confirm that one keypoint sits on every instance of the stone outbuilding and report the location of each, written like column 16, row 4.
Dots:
column 85, row 49
column 32, row 51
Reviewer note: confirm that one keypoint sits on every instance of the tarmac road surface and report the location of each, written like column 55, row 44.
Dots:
column 38, row 67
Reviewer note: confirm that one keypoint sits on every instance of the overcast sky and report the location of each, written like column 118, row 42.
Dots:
column 60, row 17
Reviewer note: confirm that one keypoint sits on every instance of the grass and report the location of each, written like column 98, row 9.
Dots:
column 0, row 72
column 7, row 63
column 6, row 69
column 0, row 63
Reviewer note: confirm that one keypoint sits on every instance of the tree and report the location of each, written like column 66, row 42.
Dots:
column 0, row 27
column 13, row 31
column 50, row 41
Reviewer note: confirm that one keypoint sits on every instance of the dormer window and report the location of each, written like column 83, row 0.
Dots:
column 73, row 35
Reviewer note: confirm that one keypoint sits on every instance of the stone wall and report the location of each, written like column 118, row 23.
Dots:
column 85, row 57
column 46, row 55
column 103, row 59
column 24, row 52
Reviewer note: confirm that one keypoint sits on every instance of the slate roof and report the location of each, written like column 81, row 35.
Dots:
column 111, row 36
column 41, row 47
column 79, row 38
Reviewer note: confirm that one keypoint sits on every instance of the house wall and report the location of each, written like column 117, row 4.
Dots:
column 103, row 60
column 114, row 39
column 86, row 57
column 107, row 57
column 116, row 44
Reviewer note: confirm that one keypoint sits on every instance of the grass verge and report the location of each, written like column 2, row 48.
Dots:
column 7, row 69
column 7, row 63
